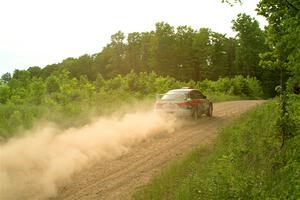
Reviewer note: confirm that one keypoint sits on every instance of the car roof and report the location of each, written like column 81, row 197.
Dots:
column 182, row 90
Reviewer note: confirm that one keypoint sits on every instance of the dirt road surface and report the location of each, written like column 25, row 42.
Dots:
column 117, row 178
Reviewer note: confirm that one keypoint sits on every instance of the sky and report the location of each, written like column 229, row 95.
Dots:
column 42, row 32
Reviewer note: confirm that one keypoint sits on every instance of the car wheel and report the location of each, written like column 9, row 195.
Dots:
column 195, row 114
column 209, row 111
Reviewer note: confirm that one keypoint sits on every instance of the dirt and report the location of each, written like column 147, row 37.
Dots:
column 117, row 178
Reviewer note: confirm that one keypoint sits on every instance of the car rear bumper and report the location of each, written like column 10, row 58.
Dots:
column 177, row 112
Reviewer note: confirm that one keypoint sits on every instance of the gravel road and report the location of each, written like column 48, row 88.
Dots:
column 117, row 178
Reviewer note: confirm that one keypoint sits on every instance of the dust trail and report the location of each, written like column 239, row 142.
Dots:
column 32, row 167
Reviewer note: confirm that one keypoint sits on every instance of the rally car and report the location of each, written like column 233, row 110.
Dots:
column 185, row 102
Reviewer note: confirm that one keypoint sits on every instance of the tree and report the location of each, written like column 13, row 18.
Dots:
column 218, row 60
column 101, row 64
column 48, row 70
column 37, row 90
column 231, row 2
column 52, row 84
column 5, row 78
column 35, row 71
column 117, row 47
column 134, row 52
column 84, row 65
column 4, row 93
column 184, row 52
column 163, row 50
column 251, row 43
column 201, row 53
column 283, row 36
column 230, row 49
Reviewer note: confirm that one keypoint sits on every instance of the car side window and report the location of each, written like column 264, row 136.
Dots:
column 199, row 95
column 192, row 95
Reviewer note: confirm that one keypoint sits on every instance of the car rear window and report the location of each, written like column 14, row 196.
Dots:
column 174, row 96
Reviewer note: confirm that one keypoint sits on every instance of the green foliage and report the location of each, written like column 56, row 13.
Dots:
column 251, row 42
column 15, row 117
column 180, row 52
column 4, row 93
column 68, row 101
column 247, row 162
column 5, row 78
column 236, row 86
column 284, row 55
column 231, row 2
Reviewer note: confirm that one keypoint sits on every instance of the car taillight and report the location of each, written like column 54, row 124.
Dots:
column 184, row 104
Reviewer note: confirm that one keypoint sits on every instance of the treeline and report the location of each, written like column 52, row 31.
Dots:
column 180, row 52
column 69, row 101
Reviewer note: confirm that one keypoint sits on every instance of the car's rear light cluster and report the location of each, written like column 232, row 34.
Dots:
column 184, row 104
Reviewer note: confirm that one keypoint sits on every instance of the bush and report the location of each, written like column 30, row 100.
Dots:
column 236, row 86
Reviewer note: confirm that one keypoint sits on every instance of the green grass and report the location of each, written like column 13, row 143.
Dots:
column 247, row 162
column 164, row 185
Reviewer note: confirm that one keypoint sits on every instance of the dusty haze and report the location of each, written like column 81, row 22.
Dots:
column 32, row 167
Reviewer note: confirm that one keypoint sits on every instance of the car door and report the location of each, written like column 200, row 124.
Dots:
column 203, row 103
column 195, row 99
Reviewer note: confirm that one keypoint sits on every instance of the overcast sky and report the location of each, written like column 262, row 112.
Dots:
column 41, row 32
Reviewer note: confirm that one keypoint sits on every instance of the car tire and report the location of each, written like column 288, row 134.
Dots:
column 195, row 114
column 209, row 110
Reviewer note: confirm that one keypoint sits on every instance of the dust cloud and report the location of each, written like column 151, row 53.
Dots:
column 35, row 165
